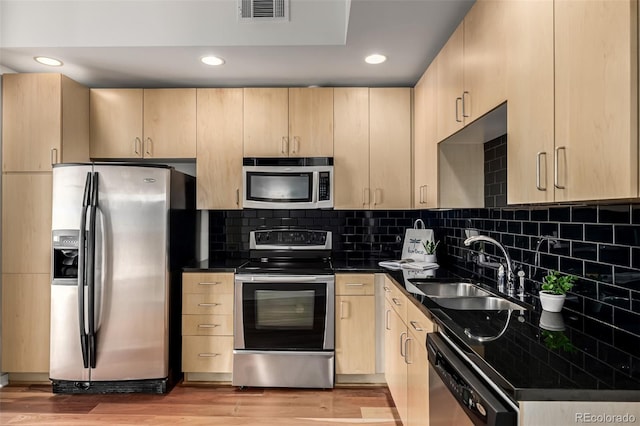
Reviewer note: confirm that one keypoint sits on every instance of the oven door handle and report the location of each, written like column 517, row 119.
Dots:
column 284, row 279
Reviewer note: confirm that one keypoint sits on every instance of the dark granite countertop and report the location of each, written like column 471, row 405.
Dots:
column 535, row 355
column 215, row 265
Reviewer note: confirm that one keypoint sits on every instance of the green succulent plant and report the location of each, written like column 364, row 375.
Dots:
column 556, row 283
column 430, row 246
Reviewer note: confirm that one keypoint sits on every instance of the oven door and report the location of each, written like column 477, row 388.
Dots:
column 294, row 313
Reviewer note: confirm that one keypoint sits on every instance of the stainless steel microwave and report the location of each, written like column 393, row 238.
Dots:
column 287, row 183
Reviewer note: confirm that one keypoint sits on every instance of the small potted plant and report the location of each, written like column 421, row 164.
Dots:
column 430, row 250
column 554, row 290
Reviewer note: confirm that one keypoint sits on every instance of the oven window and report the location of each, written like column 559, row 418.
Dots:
column 283, row 187
column 285, row 316
column 284, row 310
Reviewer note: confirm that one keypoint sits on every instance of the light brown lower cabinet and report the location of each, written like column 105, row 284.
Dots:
column 26, row 306
column 355, row 324
column 207, row 322
column 406, row 364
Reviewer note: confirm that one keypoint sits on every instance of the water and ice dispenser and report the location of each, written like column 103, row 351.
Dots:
column 65, row 256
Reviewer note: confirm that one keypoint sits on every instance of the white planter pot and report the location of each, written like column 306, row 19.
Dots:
column 551, row 302
column 431, row 258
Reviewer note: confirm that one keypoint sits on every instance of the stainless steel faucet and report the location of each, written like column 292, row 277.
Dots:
column 510, row 274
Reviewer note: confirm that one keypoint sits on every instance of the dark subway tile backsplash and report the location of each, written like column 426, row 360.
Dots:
column 597, row 243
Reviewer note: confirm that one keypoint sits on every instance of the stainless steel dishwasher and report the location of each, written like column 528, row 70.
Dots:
column 458, row 395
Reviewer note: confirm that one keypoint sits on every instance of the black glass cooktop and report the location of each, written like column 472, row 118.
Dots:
column 287, row 267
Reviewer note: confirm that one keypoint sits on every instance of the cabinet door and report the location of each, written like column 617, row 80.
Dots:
column 266, row 121
column 390, row 147
column 425, row 150
column 26, row 223
column 116, row 123
column 31, row 121
column 351, row 148
column 355, row 284
column 450, row 63
column 355, row 335
column 26, row 304
column 596, row 81
column 484, row 58
column 311, row 122
column 417, row 383
column 207, row 354
column 75, row 123
column 530, row 123
column 219, row 158
column 169, row 123
column 395, row 367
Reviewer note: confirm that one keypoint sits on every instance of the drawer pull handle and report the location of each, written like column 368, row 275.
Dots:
column 416, row 327
column 208, row 325
column 208, row 304
column 208, row 355
column 396, row 301
column 355, row 284
column 387, row 289
column 210, row 283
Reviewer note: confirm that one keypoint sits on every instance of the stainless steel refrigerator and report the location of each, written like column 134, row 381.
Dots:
column 121, row 234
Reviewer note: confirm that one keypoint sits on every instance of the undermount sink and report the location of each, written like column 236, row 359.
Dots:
column 464, row 296
column 452, row 290
column 489, row 303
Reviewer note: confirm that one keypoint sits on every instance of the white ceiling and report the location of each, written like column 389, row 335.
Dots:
column 159, row 43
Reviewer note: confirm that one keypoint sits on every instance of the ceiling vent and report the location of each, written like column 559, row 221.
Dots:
column 263, row 10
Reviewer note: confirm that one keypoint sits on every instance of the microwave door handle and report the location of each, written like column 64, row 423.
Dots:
column 316, row 187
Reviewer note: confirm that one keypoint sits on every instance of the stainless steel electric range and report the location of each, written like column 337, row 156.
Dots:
column 284, row 311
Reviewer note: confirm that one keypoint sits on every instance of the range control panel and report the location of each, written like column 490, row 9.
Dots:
column 294, row 239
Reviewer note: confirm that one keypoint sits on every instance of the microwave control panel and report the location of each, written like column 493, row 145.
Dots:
column 324, row 186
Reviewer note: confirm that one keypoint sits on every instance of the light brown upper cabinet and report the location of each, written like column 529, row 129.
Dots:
column 372, row 149
column 530, row 102
column 596, row 100
column 45, row 120
column 425, row 144
column 219, row 159
column 143, row 123
column 471, row 80
column 579, row 141
column 351, row 148
column 390, row 148
column 294, row 122
column 449, row 65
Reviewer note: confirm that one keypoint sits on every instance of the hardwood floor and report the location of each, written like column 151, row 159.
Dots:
column 200, row 405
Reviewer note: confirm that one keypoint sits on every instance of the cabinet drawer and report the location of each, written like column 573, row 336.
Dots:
column 207, row 325
column 418, row 323
column 396, row 298
column 355, row 285
column 219, row 304
column 207, row 283
column 207, row 354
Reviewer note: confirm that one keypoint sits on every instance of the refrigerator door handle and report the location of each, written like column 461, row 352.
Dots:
column 91, row 269
column 82, row 270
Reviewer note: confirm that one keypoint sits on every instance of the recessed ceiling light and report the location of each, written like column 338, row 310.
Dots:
column 375, row 59
column 52, row 62
column 212, row 60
